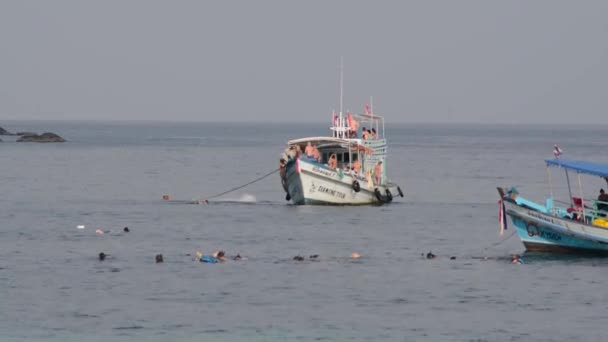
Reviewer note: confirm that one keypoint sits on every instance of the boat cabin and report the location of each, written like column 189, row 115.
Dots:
column 353, row 148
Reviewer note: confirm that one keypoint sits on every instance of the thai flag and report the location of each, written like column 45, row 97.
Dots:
column 367, row 108
column 502, row 218
column 557, row 151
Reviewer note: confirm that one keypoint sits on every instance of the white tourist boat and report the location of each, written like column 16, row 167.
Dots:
column 355, row 175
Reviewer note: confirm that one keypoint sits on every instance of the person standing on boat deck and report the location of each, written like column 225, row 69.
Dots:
column 364, row 134
column 309, row 150
column 332, row 162
column 374, row 134
column 378, row 172
column 603, row 197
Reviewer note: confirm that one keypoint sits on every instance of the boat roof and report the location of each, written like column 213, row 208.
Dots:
column 324, row 140
column 330, row 141
column 581, row 166
column 368, row 116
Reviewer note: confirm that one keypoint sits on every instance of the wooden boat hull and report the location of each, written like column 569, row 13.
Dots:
column 540, row 232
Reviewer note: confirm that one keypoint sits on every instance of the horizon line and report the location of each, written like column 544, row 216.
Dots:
column 415, row 122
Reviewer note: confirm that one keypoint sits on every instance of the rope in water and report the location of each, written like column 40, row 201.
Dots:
column 501, row 241
column 244, row 185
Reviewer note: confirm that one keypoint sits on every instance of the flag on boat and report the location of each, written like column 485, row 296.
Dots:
column 557, row 151
column 502, row 218
column 367, row 111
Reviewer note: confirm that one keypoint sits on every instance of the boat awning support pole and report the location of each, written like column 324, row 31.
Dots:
column 550, row 182
column 569, row 189
column 580, row 188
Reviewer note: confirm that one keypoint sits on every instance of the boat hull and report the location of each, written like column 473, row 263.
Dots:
column 541, row 232
column 312, row 183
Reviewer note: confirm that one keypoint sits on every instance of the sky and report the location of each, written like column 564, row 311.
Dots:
column 485, row 61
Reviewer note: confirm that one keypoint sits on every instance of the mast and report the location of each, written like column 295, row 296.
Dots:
column 341, row 83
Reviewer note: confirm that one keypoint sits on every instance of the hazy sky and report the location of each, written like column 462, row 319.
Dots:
column 422, row 61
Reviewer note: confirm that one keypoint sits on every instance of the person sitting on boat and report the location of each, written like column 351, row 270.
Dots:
column 316, row 154
column 378, row 172
column 374, row 135
column 309, row 150
column 602, row 204
column 332, row 163
column 356, row 166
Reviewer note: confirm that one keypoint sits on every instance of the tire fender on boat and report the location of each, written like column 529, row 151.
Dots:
column 389, row 195
column 378, row 195
column 399, row 191
column 356, row 186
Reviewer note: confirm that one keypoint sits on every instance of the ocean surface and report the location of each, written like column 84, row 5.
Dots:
column 113, row 174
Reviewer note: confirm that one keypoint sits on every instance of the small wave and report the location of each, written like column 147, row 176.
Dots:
column 132, row 327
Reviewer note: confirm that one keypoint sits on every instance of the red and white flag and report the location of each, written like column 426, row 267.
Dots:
column 557, row 151
column 502, row 219
column 367, row 111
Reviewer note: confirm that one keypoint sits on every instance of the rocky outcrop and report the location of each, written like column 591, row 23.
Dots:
column 42, row 138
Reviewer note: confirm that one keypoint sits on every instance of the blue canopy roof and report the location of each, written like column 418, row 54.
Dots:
column 597, row 169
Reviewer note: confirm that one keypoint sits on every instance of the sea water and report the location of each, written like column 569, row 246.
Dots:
column 113, row 175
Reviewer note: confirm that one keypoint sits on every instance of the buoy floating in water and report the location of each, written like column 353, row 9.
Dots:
column 80, row 226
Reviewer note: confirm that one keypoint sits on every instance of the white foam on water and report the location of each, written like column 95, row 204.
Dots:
column 247, row 198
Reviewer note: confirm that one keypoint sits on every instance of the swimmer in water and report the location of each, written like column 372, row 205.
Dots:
column 102, row 256
column 515, row 259
column 430, row 255
column 237, row 257
column 159, row 258
column 355, row 255
column 298, row 258
column 221, row 256
column 125, row 229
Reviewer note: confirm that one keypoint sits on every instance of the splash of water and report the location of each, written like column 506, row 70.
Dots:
column 247, row 198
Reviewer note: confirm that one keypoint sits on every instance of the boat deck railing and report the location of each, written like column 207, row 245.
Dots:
column 590, row 213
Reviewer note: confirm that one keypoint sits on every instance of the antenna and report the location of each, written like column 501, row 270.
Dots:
column 341, row 83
